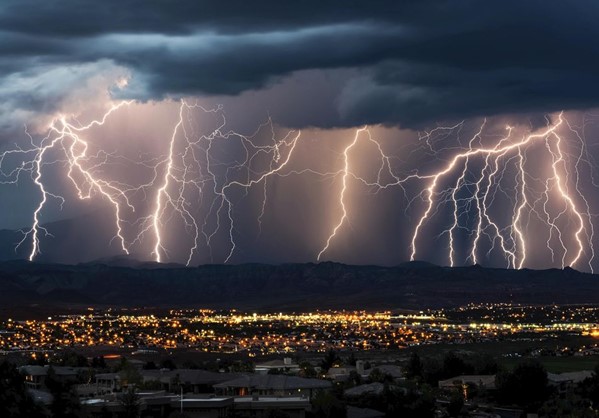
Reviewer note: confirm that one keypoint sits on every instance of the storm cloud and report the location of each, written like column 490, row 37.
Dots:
column 397, row 63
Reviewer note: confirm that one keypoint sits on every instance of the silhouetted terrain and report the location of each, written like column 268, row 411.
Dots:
column 64, row 243
column 298, row 287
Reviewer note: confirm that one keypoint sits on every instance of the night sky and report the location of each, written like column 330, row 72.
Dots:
column 427, row 80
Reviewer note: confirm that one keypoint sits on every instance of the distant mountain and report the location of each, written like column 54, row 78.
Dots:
column 63, row 244
column 285, row 287
column 8, row 245
column 131, row 262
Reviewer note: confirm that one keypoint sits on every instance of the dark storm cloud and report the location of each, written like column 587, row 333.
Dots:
column 84, row 18
column 414, row 62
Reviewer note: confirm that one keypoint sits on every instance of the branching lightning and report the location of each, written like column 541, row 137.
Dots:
column 193, row 188
column 190, row 165
column 65, row 138
column 473, row 192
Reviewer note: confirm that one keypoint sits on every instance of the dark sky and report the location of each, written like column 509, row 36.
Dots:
column 320, row 66
column 413, row 62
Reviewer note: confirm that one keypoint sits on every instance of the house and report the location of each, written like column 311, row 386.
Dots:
column 198, row 407
column 353, row 412
column 375, row 388
column 563, row 380
column 35, row 376
column 481, row 381
column 108, row 382
column 340, row 373
column 570, row 377
column 271, row 385
column 392, row 370
column 156, row 404
column 162, row 404
column 281, row 366
column 191, row 380
column 262, row 407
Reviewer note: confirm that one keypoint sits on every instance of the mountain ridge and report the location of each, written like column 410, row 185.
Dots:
column 298, row 287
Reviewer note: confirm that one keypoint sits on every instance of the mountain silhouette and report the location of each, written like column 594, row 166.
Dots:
column 297, row 287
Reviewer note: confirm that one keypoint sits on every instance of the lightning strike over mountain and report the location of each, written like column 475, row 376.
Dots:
column 192, row 167
column 171, row 133
column 346, row 174
column 64, row 137
column 516, row 253
column 187, row 166
column 479, row 174
column 206, row 170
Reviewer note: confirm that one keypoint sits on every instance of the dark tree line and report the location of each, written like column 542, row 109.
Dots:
column 431, row 370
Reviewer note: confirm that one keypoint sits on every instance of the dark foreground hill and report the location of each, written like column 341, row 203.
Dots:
column 25, row 286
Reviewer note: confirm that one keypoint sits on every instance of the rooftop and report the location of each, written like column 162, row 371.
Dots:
column 277, row 382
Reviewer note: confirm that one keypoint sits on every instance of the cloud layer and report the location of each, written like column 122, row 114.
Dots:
column 407, row 63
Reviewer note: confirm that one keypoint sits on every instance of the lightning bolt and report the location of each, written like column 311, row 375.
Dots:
column 193, row 187
column 65, row 137
column 384, row 169
column 171, row 195
column 161, row 194
column 553, row 141
column 474, row 191
column 346, row 174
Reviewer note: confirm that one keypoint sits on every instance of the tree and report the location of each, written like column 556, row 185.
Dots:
column 410, row 403
column 568, row 405
column 65, row 401
column 243, row 367
column 128, row 373
column 456, row 403
column 486, row 364
column 99, row 363
column 330, row 358
column 414, row 368
column 130, row 403
column 589, row 388
column 150, row 365
column 325, row 405
column 72, row 359
column 15, row 401
column 351, row 359
column 168, row 364
column 526, row 386
column 175, row 384
column 307, row 370
column 354, row 378
column 432, row 371
column 455, row 366
column 403, row 402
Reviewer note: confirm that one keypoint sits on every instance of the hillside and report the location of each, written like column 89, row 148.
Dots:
column 415, row 285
